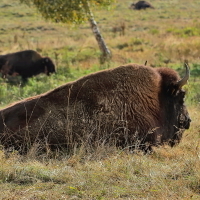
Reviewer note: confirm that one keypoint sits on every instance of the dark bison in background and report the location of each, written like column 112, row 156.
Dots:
column 141, row 5
column 26, row 63
column 131, row 105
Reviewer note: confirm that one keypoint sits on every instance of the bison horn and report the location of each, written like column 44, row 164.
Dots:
column 184, row 80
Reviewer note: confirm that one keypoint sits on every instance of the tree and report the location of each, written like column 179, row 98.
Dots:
column 73, row 11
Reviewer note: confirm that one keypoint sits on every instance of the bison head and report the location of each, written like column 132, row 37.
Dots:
column 176, row 118
column 49, row 66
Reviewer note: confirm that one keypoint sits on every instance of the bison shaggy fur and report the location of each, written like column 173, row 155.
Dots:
column 131, row 105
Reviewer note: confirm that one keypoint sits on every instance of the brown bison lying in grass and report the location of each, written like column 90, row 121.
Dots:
column 26, row 63
column 129, row 106
column 141, row 5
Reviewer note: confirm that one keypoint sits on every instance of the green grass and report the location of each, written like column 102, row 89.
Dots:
column 165, row 36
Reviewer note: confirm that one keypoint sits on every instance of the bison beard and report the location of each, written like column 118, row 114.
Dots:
column 131, row 105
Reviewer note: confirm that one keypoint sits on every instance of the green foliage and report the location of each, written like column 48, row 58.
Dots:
column 154, row 31
column 185, row 32
column 192, row 88
column 70, row 56
column 133, row 42
column 136, row 41
column 195, row 70
column 123, row 45
column 70, row 11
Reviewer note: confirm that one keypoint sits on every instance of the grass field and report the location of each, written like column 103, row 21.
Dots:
column 165, row 36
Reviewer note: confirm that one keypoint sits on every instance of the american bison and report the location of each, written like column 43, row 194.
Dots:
column 131, row 105
column 141, row 5
column 26, row 63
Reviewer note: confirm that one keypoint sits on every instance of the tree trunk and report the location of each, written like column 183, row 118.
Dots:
column 106, row 54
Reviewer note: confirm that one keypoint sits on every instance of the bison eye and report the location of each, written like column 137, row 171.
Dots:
column 180, row 94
